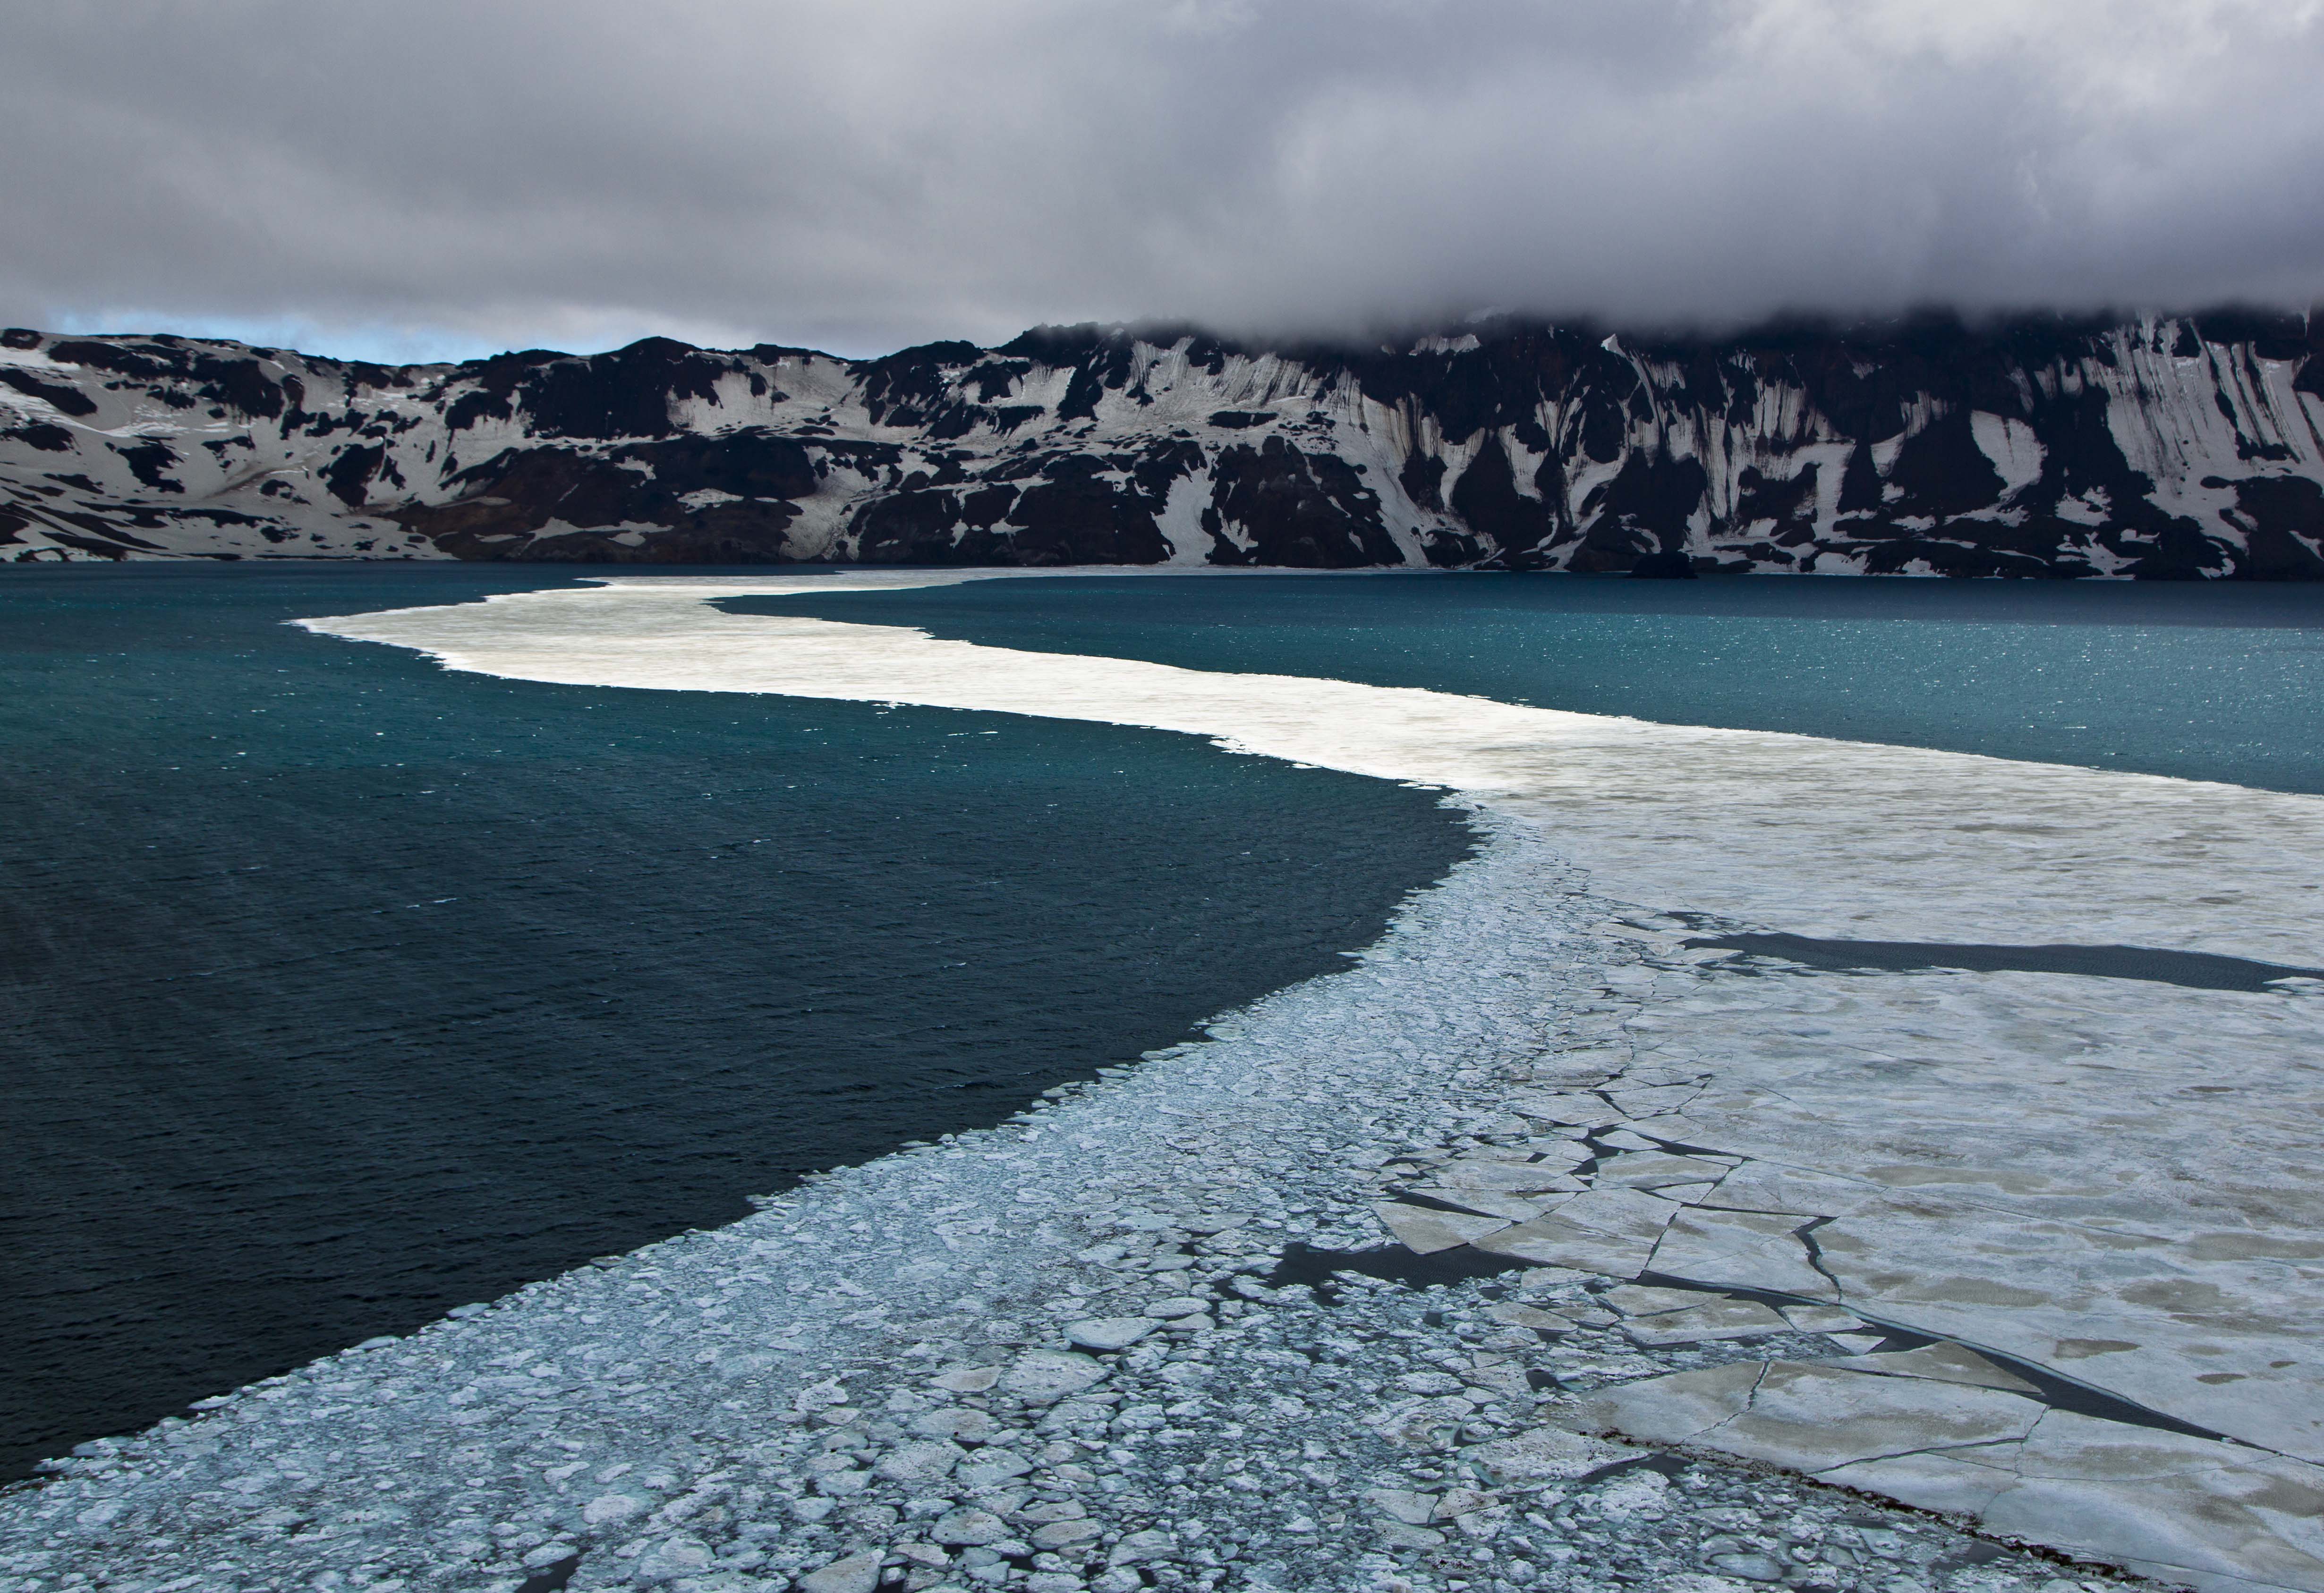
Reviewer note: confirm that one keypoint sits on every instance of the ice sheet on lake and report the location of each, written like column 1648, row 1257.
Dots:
column 2112, row 1183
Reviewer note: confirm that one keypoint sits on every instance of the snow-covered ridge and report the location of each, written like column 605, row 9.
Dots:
column 2161, row 447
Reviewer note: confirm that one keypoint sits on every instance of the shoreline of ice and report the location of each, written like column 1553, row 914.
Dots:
column 1975, row 1242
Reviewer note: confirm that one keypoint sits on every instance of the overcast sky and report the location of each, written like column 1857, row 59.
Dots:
column 423, row 180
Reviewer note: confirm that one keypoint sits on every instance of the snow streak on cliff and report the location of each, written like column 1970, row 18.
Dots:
column 2167, row 447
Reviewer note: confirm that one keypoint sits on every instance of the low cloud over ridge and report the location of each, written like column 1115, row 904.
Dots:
column 430, row 177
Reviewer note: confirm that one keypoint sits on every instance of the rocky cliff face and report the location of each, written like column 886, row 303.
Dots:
column 2163, row 447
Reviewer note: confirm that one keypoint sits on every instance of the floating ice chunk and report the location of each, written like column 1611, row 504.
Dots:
column 1544, row 1455
column 1059, row 1534
column 920, row 1465
column 1150, row 1544
column 967, row 1379
column 968, row 1528
column 990, row 1468
column 1414, row 1509
column 1720, row 1319
column 858, row 1573
column 1940, row 1363
column 1638, row 1299
column 1527, row 1316
column 961, row 1423
column 1555, row 1242
column 1111, row 1332
column 1742, row 1249
column 1494, row 1174
column 1425, row 1232
column 1582, row 1111
column 685, row 1555
column 816, row 1396
column 606, row 1507
column 1044, row 1377
column 1655, row 1170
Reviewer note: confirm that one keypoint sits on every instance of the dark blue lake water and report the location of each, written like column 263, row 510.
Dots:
column 336, row 990
column 2212, row 682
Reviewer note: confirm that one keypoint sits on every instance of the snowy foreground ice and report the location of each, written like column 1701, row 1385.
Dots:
column 1549, row 1247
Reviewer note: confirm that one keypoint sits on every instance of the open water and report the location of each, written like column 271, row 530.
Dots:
column 2198, row 681
column 336, row 990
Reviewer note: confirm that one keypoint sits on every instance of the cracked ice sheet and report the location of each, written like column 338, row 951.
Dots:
column 2178, row 1508
column 2110, row 1179
column 2120, row 1185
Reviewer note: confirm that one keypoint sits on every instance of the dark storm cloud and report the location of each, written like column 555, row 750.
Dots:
column 869, row 173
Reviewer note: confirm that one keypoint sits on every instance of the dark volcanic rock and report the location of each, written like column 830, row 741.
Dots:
column 65, row 400
column 2155, row 447
column 1079, row 514
column 1294, row 510
column 1663, row 566
column 1486, row 497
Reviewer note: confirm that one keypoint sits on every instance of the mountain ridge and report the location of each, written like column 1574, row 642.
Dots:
column 2148, row 446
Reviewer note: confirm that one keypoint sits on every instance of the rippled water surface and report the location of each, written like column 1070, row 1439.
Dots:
column 336, row 989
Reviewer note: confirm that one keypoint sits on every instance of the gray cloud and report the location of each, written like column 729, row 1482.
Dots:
column 863, row 174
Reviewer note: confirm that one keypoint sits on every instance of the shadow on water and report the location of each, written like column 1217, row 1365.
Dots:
column 2195, row 971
